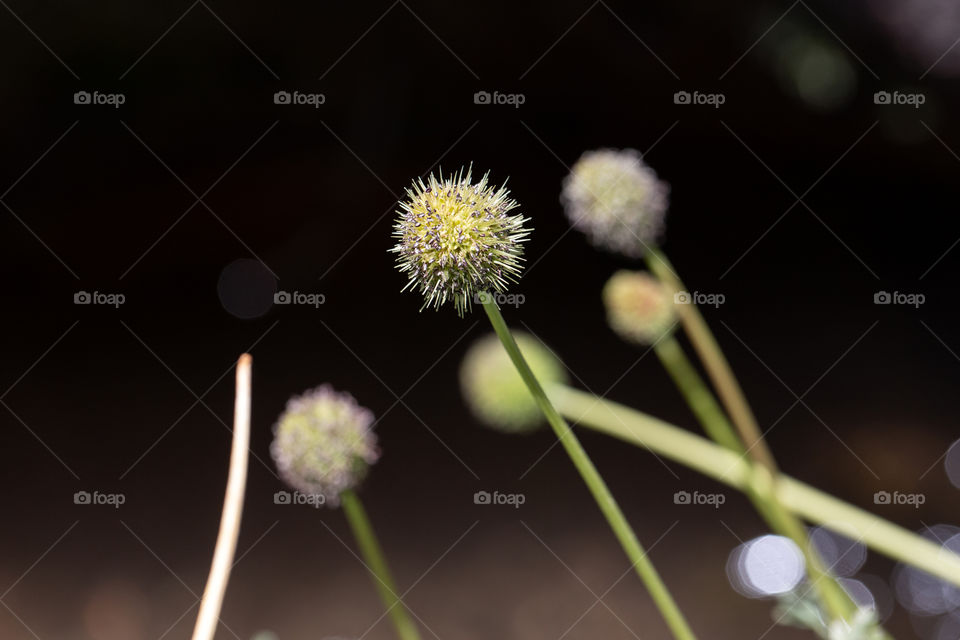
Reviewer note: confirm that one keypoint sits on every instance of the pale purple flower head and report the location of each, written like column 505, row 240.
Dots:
column 323, row 443
column 614, row 198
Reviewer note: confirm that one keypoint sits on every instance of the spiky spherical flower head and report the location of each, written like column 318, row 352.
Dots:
column 495, row 392
column 639, row 307
column 457, row 239
column 614, row 198
column 323, row 443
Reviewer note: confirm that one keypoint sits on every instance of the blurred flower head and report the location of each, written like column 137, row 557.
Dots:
column 494, row 390
column 639, row 307
column 323, row 443
column 614, row 198
column 456, row 239
column 863, row 626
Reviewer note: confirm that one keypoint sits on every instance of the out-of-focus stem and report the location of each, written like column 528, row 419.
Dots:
column 761, row 494
column 232, row 508
column 376, row 562
column 718, row 369
column 728, row 467
column 698, row 397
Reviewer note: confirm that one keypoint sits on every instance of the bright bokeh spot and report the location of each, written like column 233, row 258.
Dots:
column 883, row 600
column 952, row 464
column 766, row 566
column 841, row 554
column 948, row 628
column 922, row 593
column 859, row 593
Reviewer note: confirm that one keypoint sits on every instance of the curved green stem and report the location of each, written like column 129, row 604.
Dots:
column 591, row 477
column 726, row 466
column 718, row 369
column 700, row 399
column 377, row 564
column 763, row 497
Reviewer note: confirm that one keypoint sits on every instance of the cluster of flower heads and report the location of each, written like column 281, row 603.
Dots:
column 616, row 200
column 639, row 307
column 457, row 239
column 494, row 390
column 324, row 443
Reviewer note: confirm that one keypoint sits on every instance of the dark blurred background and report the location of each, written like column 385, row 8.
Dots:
column 799, row 198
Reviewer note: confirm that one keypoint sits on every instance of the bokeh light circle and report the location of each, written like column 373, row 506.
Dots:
column 842, row 554
column 766, row 566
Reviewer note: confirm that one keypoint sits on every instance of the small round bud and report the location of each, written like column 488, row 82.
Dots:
column 616, row 200
column 494, row 390
column 323, row 443
column 639, row 307
column 457, row 239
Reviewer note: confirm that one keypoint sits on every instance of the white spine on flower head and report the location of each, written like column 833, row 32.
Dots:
column 457, row 239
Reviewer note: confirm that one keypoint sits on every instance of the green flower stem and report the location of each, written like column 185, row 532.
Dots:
column 591, row 477
column 700, row 399
column 718, row 369
column 377, row 564
column 718, row 427
column 728, row 467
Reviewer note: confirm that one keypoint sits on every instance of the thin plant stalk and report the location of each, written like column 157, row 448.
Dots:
column 698, row 397
column 718, row 427
column 730, row 468
column 376, row 562
column 230, row 518
column 595, row 483
column 755, row 447
column 716, row 365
